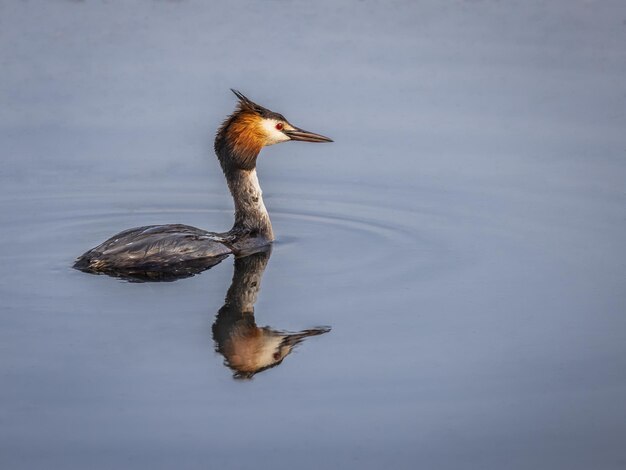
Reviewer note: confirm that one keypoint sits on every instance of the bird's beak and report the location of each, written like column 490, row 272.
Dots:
column 305, row 136
column 295, row 338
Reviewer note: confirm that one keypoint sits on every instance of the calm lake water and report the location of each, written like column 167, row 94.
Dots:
column 462, row 239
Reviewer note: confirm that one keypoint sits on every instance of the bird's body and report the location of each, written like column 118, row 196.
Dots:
column 156, row 251
column 144, row 252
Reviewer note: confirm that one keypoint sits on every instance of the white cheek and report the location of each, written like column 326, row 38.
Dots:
column 265, row 354
column 273, row 135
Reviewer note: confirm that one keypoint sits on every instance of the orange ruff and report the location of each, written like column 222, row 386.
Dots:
column 246, row 134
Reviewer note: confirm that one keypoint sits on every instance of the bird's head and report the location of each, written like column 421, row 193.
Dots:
column 252, row 127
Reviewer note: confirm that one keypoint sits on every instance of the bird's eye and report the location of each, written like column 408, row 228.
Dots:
column 280, row 126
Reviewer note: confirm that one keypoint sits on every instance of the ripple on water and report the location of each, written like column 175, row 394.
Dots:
column 389, row 242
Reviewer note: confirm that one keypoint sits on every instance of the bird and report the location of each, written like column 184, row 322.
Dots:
column 168, row 252
column 247, row 348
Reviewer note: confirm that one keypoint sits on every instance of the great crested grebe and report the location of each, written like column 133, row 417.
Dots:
column 178, row 249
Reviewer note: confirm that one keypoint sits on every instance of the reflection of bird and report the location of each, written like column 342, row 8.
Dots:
column 247, row 348
column 170, row 249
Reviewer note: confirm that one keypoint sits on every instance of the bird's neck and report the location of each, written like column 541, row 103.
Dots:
column 251, row 217
column 237, row 146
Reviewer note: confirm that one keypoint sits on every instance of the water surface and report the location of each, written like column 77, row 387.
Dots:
column 463, row 238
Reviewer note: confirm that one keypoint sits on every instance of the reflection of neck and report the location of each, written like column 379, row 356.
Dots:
column 243, row 291
column 236, row 335
column 251, row 216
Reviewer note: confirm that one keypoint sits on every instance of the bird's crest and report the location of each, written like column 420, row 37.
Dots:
column 246, row 104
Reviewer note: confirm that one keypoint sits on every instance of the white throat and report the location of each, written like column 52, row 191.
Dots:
column 250, row 211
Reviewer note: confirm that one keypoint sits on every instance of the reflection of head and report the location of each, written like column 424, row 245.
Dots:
column 247, row 348
column 250, row 349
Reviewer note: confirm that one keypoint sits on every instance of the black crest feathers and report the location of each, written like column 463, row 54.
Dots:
column 246, row 104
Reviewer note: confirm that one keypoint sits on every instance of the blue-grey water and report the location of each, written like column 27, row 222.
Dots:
column 463, row 237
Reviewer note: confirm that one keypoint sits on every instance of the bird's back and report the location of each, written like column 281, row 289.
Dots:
column 156, row 249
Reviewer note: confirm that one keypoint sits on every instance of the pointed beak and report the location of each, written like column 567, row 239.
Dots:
column 305, row 136
column 295, row 338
